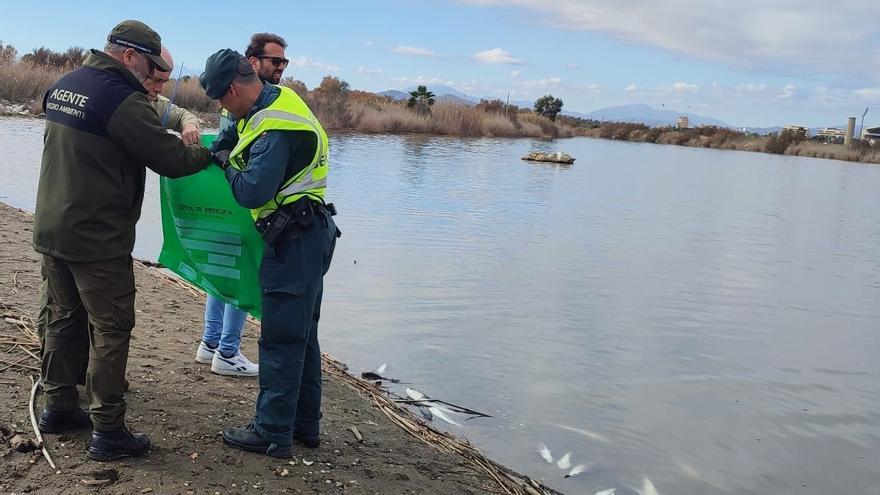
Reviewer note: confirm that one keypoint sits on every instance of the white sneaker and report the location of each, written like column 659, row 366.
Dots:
column 237, row 365
column 205, row 354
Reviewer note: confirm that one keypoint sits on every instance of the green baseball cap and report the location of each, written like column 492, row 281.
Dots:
column 220, row 70
column 141, row 38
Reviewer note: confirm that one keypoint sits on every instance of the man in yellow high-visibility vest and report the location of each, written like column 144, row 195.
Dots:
column 278, row 169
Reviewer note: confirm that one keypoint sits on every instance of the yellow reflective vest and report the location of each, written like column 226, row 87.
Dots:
column 287, row 113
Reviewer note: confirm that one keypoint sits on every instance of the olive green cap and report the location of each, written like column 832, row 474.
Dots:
column 141, row 38
column 220, row 70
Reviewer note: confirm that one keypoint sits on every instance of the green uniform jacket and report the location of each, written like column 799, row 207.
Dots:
column 101, row 133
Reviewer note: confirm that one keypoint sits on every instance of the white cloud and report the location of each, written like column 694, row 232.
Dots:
column 515, row 73
column 751, row 88
column 595, row 88
column 680, row 87
column 801, row 37
column 787, row 92
column 572, row 66
column 632, row 87
column 305, row 62
column 868, row 94
column 368, row 43
column 547, row 82
column 420, row 80
column 496, row 56
column 413, row 51
column 367, row 70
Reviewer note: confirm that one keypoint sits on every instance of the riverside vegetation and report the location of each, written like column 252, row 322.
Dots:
column 23, row 80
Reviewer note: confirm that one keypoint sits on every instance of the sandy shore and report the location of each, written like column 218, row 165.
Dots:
column 183, row 406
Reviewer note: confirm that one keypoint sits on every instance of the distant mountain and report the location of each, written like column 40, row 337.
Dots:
column 394, row 94
column 441, row 90
column 455, row 99
column 641, row 113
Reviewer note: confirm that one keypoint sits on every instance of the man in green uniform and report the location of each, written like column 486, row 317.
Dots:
column 101, row 133
column 278, row 168
column 171, row 116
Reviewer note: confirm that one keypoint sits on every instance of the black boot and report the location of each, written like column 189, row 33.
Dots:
column 249, row 440
column 117, row 444
column 52, row 421
column 308, row 442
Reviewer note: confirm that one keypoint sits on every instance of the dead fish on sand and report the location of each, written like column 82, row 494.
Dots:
column 607, row 492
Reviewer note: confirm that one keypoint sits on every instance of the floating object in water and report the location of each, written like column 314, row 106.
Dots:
column 555, row 157
column 418, row 399
column 416, row 395
column 648, row 488
column 441, row 413
column 589, row 434
column 565, row 461
column 377, row 375
column 580, row 468
column 545, row 454
column 607, row 492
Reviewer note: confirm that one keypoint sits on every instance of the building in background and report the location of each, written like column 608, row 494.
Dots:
column 797, row 130
column 682, row 122
column 831, row 135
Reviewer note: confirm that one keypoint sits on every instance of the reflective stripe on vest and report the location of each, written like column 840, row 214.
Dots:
column 287, row 113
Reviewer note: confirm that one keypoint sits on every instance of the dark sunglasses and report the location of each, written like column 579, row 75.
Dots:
column 276, row 61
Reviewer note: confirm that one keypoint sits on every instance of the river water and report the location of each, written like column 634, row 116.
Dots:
column 706, row 319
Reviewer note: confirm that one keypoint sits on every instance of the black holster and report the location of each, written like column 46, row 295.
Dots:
column 296, row 217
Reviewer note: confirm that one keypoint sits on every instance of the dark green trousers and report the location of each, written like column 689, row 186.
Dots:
column 292, row 280
column 89, row 306
column 43, row 317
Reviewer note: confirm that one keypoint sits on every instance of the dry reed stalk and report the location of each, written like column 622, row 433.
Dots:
column 509, row 482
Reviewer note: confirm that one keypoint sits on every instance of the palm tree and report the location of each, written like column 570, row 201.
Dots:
column 421, row 99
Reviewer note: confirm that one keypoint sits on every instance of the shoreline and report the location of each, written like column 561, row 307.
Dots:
column 399, row 452
column 709, row 138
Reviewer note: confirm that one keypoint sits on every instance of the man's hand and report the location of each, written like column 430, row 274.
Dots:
column 221, row 158
column 190, row 134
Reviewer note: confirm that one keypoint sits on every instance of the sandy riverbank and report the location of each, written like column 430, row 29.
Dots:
column 183, row 406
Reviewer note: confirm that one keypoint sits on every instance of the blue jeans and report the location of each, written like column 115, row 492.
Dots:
column 223, row 324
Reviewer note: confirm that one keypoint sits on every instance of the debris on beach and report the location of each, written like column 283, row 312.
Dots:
column 555, row 157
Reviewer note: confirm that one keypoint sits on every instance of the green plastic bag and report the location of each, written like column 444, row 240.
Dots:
column 209, row 239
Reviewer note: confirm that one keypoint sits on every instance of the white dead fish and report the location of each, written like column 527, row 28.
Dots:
column 545, row 454
column 381, row 369
column 580, row 468
column 587, row 433
column 607, row 492
column 441, row 413
column 565, row 461
column 648, row 488
column 415, row 394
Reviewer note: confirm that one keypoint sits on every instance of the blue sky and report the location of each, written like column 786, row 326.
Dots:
column 748, row 63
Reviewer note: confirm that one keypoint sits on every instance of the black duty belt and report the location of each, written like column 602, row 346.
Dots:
column 298, row 216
